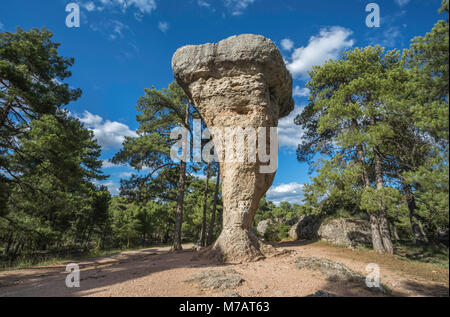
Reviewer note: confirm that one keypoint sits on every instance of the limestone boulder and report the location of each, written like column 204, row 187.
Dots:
column 262, row 226
column 306, row 228
column 346, row 232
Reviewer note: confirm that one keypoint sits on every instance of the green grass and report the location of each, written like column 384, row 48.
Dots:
column 433, row 254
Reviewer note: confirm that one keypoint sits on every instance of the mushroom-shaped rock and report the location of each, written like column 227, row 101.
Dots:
column 240, row 82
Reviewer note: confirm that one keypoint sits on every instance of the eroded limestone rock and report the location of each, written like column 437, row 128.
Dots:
column 241, row 81
column 218, row 279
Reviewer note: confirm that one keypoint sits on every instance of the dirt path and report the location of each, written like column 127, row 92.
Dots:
column 158, row 272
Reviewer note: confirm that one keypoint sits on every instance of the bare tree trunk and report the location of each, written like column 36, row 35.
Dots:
column 180, row 199
column 205, row 203
column 377, row 243
column 384, row 224
column 395, row 233
column 213, row 214
column 415, row 228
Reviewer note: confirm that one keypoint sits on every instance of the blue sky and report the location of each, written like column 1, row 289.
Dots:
column 124, row 46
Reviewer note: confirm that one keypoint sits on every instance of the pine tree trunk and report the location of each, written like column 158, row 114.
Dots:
column 395, row 233
column 180, row 199
column 8, row 244
column 384, row 224
column 415, row 228
column 205, row 203
column 213, row 214
column 377, row 243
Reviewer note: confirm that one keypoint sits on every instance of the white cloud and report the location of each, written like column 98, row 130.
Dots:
column 390, row 36
column 112, row 187
column 300, row 92
column 198, row 176
column 203, row 3
column 109, row 134
column 144, row 6
column 327, row 45
column 90, row 119
column 108, row 164
column 237, row 7
column 1, row 25
column 90, row 6
column 117, row 29
column 125, row 174
column 292, row 193
column 163, row 26
column 289, row 134
column 113, row 29
column 287, row 44
column 402, row 2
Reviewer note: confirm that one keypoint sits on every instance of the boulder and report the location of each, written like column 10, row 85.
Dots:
column 262, row 226
column 306, row 228
column 346, row 232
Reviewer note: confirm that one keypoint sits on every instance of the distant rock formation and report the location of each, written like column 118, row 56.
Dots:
column 344, row 231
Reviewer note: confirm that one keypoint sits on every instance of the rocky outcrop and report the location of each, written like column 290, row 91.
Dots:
column 241, row 81
column 346, row 232
column 263, row 225
column 343, row 231
column 337, row 272
column 306, row 228
column 219, row 279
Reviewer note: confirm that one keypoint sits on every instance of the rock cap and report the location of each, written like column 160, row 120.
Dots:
column 245, row 54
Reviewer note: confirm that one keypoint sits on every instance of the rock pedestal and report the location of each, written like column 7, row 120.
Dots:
column 241, row 81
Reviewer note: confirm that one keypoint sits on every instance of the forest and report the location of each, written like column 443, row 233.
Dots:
column 376, row 140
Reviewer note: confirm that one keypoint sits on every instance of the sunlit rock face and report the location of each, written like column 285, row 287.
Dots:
column 241, row 81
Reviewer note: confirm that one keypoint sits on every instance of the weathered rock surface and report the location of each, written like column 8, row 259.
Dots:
column 336, row 272
column 306, row 228
column 217, row 279
column 262, row 226
column 241, row 81
column 344, row 231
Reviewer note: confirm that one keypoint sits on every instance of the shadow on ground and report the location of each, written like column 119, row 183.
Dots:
column 98, row 273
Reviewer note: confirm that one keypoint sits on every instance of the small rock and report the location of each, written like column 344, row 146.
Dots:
column 322, row 293
column 233, row 294
column 279, row 293
column 252, row 292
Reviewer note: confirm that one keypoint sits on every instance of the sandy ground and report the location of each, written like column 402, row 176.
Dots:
column 158, row 272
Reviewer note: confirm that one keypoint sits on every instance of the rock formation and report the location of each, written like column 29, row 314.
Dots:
column 343, row 231
column 346, row 232
column 241, row 81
